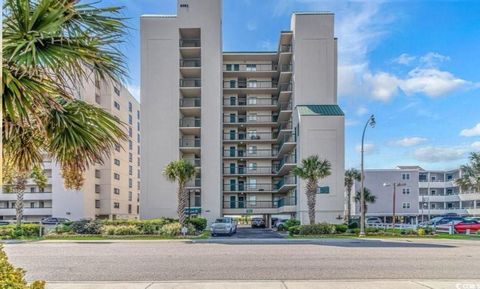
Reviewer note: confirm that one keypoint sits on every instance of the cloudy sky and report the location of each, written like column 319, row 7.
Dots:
column 414, row 64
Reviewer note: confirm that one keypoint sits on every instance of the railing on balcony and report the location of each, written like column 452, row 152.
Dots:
column 250, row 118
column 189, row 43
column 249, row 101
column 190, row 62
column 197, row 182
column 249, row 84
column 285, row 68
column 196, row 161
column 252, row 170
column 286, row 48
column 190, row 82
column 249, row 153
column 250, row 67
column 285, row 105
column 249, row 204
column 247, row 187
column 285, row 125
column 285, row 87
column 284, row 181
column 287, row 138
column 190, row 122
column 288, row 159
column 190, row 102
column 189, row 143
column 249, row 136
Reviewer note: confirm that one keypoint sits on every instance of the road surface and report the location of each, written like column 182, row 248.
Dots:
column 320, row 260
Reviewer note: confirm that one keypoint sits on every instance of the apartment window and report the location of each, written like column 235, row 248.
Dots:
column 130, row 157
column 252, row 150
column 129, row 208
column 433, row 206
column 138, row 137
column 97, row 174
column 252, row 134
column 252, row 100
column 97, row 98
column 97, row 189
column 130, row 196
column 97, row 204
column 138, row 185
column 117, row 147
column 449, row 192
column 130, row 131
column 32, row 190
column 406, row 191
column 252, row 117
column 138, row 126
column 116, row 105
column 116, row 162
column 116, row 176
column 138, row 114
column 138, row 173
column 130, row 120
column 130, row 107
column 138, row 209
column 130, row 183
column 138, row 161
column 130, row 144
column 252, row 83
column 252, row 166
column 116, row 90
column 251, row 67
column 405, row 176
column 41, row 204
column 252, row 183
column 197, row 202
column 252, row 200
column 130, row 170
column 433, row 192
column 32, row 205
column 406, row 205
column 41, row 190
column 116, row 205
column 138, row 149
column 323, row 190
column 116, row 191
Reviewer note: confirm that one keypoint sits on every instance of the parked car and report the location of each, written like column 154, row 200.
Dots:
column 258, row 223
column 374, row 220
column 54, row 221
column 279, row 223
column 4, row 223
column 442, row 220
column 226, row 225
column 462, row 226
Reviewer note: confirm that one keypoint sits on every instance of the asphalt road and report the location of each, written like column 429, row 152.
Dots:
column 320, row 260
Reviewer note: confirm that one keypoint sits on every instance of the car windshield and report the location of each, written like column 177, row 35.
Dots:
column 222, row 221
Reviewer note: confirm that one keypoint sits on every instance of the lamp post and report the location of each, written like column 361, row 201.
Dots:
column 371, row 122
column 395, row 185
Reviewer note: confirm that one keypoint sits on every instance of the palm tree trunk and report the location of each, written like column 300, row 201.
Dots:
column 20, row 184
column 182, row 203
column 311, row 200
column 349, row 205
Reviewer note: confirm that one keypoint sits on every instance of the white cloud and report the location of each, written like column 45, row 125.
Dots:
column 408, row 141
column 351, row 122
column 431, row 81
column 404, row 59
column 476, row 145
column 362, row 110
column 267, row 45
column 251, row 25
column 368, row 148
column 134, row 90
column 433, row 58
column 431, row 154
column 383, row 86
column 474, row 131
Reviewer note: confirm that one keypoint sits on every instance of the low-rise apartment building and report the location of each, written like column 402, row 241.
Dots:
column 420, row 194
column 245, row 119
column 111, row 190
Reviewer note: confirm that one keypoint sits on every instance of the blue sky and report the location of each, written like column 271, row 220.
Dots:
column 414, row 64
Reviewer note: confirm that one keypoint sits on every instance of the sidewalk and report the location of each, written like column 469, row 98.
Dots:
column 333, row 284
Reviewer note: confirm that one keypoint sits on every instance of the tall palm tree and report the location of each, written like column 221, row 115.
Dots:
column 351, row 176
column 369, row 198
column 470, row 179
column 312, row 169
column 49, row 48
column 181, row 172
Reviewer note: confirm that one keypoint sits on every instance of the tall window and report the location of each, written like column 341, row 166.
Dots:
column 251, row 67
column 116, row 205
column 116, row 90
column 198, row 200
column 116, row 176
column 130, row 119
column 116, row 162
column 130, row 107
column 116, row 191
column 97, row 204
column 130, row 196
column 117, row 105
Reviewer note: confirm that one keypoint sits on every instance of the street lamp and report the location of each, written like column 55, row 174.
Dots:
column 395, row 185
column 371, row 122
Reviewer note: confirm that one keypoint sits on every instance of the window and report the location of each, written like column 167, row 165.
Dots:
column 138, row 173
column 138, row 126
column 41, row 204
column 116, row 105
column 252, row 117
column 117, row 147
column 116, row 191
column 130, row 196
column 116, row 162
column 116, row 90
column 405, row 176
column 433, row 192
column 324, row 190
column 138, row 185
column 406, row 205
column 97, row 98
column 252, row 166
column 32, row 190
column 406, row 191
column 252, row 100
column 252, row 200
column 130, row 131
column 197, row 202
column 116, row 176
column 130, row 107
column 130, row 157
column 130, row 121
column 252, row 150
column 252, row 183
column 116, row 205
column 32, row 205
column 97, row 174
column 138, row 209
column 130, row 170
column 251, row 67
column 130, row 144
column 41, row 190
column 138, row 137
column 252, row 134
column 97, row 204
column 97, row 189
column 130, row 183
column 138, row 161
column 138, row 149
column 252, row 83
column 129, row 208
column 138, row 114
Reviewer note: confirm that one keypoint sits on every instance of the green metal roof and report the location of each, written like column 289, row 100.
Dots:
column 322, row 110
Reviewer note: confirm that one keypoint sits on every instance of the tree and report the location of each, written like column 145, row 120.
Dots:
column 181, row 172
column 50, row 47
column 369, row 198
column 351, row 176
column 15, row 182
column 312, row 169
column 470, row 177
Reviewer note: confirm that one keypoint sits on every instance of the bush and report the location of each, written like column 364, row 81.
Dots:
column 199, row 223
column 317, row 229
column 90, row 227
column 148, row 227
column 121, row 230
column 288, row 224
column 171, row 230
column 13, row 278
column 353, row 225
column 25, row 231
column 294, row 230
column 341, row 228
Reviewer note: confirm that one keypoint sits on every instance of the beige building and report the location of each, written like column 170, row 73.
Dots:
column 111, row 190
column 245, row 118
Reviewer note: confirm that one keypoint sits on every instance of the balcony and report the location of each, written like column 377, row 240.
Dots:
column 251, row 170
column 287, row 163
column 190, row 67
column 189, row 43
column 190, row 62
column 190, row 87
column 248, row 187
column 285, row 184
column 249, row 137
column 195, row 162
column 286, row 143
column 250, row 69
column 285, row 48
column 285, row 111
column 249, row 153
column 255, row 119
column 259, row 207
column 250, row 103
column 194, row 183
column 188, row 145
column 190, row 125
column 190, row 107
column 251, row 86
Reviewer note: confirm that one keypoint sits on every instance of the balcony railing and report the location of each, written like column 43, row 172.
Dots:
column 189, row 43
column 249, row 153
column 190, row 62
column 250, row 67
column 190, row 122
column 286, row 68
column 250, row 170
column 250, row 101
column 285, row 87
column 288, row 137
column 288, row 159
column 248, row 187
column 285, row 105
column 249, row 204
column 196, row 161
column 286, row 48
column 190, row 82
column 189, row 143
column 190, row 102
column 249, row 84
column 285, row 125
column 197, row 182
column 250, row 118
column 284, row 181
column 249, row 136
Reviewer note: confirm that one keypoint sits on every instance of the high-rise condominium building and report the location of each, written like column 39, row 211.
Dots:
column 110, row 190
column 245, row 119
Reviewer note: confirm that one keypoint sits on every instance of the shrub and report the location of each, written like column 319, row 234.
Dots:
column 421, row 232
column 341, row 228
column 148, row 227
column 11, row 277
column 199, row 223
column 316, row 229
column 171, row 230
column 90, row 227
column 64, row 228
column 353, row 225
column 25, row 231
column 294, row 230
column 121, row 230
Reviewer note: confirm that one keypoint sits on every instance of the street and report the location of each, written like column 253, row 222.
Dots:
column 235, row 259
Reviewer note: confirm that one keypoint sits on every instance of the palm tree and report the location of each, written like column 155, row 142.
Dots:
column 313, row 170
column 351, row 176
column 470, row 179
column 49, row 48
column 369, row 198
column 181, row 172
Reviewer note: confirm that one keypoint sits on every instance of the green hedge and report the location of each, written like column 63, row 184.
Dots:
column 13, row 278
column 318, row 229
column 25, row 231
column 198, row 223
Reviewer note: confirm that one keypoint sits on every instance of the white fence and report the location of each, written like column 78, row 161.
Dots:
column 390, row 226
